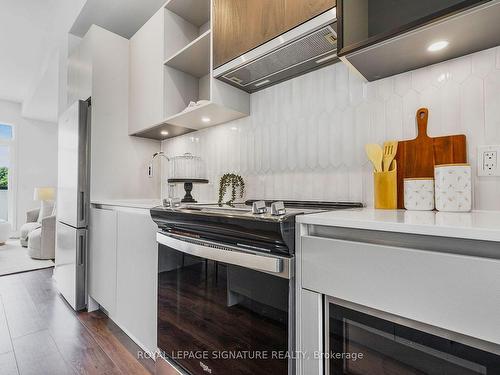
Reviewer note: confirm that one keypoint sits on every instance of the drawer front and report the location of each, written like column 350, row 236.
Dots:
column 454, row 292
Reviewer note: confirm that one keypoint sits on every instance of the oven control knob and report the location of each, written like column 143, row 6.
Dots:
column 259, row 207
column 278, row 208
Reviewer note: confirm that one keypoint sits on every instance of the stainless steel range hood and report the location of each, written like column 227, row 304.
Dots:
column 306, row 47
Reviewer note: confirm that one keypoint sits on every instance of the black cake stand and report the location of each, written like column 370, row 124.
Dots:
column 188, row 186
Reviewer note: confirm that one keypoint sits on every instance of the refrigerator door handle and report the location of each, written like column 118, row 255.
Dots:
column 81, row 249
column 82, row 206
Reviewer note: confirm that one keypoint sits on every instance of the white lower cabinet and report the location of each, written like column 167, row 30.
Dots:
column 123, row 270
column 136, row 275
column 102, row 258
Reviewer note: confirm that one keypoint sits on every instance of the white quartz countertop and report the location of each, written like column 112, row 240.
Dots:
column 129, row 203
column 476, row 225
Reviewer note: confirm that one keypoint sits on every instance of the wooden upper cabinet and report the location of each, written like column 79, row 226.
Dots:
column 241, row 25
column 299, row 11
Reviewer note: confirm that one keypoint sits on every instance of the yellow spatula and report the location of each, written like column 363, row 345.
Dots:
column 375, row 154
column 390, row 149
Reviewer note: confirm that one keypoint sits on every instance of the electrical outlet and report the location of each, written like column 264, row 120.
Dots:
column 487, row 160
column 150, row 170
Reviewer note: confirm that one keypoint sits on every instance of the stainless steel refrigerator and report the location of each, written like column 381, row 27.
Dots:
column 73, row 204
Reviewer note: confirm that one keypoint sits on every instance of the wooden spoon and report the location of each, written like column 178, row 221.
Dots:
column 375, row 155
column 390, row 149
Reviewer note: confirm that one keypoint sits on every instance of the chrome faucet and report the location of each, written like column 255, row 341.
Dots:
column 170, row 187
column 160, row 153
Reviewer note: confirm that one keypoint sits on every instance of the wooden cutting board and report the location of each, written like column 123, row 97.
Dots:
column 417, row 157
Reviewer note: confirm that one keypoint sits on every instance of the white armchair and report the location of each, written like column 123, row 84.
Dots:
column 31, row 224
column 42, row 241
column 39, row 235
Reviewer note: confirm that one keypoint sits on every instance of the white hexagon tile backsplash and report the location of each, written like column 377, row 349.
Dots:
column 305, row 137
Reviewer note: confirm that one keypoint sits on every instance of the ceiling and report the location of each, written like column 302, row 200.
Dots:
column 123, row 17
column 30, row 33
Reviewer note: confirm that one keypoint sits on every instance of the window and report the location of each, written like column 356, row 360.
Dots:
column 6, row 148
column 5, row 131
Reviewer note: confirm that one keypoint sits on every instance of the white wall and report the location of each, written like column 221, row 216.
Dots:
column 305, row 137
column 42, row 101
column 36, row 157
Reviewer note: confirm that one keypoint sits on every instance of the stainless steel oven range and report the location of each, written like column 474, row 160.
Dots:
column 226, row 286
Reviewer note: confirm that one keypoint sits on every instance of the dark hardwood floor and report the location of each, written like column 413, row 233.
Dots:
column 41, row 335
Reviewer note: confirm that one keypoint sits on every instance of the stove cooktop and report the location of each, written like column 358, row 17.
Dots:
column 244, row 210
column 313, row 205
column 257, row 224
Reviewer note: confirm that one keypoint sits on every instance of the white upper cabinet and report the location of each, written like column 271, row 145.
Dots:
column 146, row 75
column 99, row 68
column 171, row 63
column 80, row 72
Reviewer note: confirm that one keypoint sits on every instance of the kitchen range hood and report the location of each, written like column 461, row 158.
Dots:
column 473, row 26
column 309, row 46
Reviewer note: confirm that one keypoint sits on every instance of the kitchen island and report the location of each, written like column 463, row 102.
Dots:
column 476, row 225
column 426, row 274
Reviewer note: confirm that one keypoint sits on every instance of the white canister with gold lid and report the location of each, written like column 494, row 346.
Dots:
column 419, row 194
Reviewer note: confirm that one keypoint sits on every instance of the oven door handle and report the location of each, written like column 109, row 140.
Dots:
column 207, row 250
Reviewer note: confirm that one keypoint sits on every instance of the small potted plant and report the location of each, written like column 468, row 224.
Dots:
column 233, row 182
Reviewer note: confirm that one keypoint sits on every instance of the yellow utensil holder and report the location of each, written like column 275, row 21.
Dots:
column 386, row 188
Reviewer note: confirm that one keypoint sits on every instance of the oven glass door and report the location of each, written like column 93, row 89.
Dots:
column 361, row 344
column 216, row 318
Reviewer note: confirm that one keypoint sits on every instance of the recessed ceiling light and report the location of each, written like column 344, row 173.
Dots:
column 164, row 132
column 205, row 119
column 437, row 46
column 262, row 83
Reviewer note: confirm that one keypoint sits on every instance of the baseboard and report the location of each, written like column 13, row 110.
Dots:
column 134, row 339
column 165, row 367
column 92, row 304
column 131, row 336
